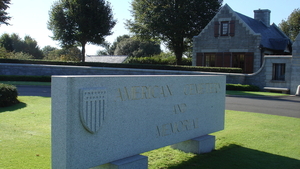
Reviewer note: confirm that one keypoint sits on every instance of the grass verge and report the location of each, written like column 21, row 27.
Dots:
column 250, row 93
column 250, row 140
column 27, row 83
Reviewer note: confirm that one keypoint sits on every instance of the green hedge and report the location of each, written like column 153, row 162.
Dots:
column 241, row 87
column 8, row 95
column 25, row 78
column 128, row 65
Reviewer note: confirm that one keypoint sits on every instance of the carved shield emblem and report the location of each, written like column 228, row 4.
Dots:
column 92, row 109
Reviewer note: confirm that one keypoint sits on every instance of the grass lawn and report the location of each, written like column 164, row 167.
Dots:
column 250, row 140
column 25, row 134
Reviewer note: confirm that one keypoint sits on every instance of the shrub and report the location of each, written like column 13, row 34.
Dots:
column 4, row 54
column 19, row 55
column 241, row 87
column 159, row 60
column 8, row 95
column 165, row 55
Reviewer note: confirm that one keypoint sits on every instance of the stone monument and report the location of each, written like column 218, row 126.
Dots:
column 107, row 121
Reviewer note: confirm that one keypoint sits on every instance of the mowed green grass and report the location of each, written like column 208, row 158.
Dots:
column 250, row 140
column 25, row 134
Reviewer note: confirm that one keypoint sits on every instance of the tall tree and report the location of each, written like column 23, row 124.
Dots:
column 174, row 22
column 4, row 15
column 291, row 26
column 31, row 47
column 13, row 43
column 78, row 22
column 6, row 42
column 17, row 43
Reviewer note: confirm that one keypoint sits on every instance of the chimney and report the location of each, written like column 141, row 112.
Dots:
column 263, row 15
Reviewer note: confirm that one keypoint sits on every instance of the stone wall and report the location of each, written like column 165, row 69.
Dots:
column 263, row 77
column 270, row 60
column 257, row 78
column 295, row 65
column 48, row 70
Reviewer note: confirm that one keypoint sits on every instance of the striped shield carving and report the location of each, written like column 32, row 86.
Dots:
column 92, row 109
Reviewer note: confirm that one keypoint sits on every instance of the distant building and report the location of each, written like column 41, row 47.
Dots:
column 105, row 59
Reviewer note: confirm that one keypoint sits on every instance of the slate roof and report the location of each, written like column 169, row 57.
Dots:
column 105, row 59
column 271, row 36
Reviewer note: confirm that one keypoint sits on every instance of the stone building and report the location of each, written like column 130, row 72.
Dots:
column 232, row 39
column 267, row 56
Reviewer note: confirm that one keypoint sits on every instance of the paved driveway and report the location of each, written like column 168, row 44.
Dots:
column 283, row 106
column 24, row 90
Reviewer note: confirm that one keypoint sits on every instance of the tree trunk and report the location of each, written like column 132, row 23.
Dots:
column 178, row 54
column 83, row 52
column 178, row 48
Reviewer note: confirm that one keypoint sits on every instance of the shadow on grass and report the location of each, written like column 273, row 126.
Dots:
column 13, row 108
column 237, row 157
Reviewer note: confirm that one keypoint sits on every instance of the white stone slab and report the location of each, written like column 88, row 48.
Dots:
column 199, row 145
column 133, row 162
column 100, row 119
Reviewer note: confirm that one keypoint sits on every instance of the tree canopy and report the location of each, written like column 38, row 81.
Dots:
column 174, row 22
column 69, row 54
column 78, row 22
column 13, row 43
column 131, row 46
column 109, row 49
column 4, row 15
column 291, row 26
column 135, row 48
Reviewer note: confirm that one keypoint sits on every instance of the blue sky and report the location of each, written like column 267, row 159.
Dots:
column 29, row 17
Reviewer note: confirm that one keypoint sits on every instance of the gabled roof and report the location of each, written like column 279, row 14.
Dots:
column 271, row 36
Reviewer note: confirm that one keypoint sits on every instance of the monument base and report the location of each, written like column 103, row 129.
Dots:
column 134, row 162
column 199, row 145
column 298, row 91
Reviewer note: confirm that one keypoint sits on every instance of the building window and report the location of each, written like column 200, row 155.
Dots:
column 210, row 60
column 279, row 71
column 238, row 60
column 224, row 28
